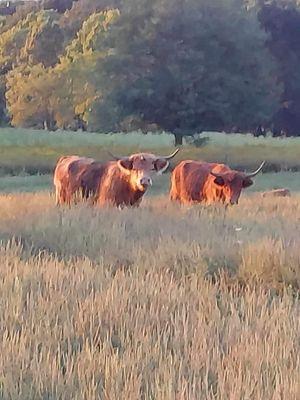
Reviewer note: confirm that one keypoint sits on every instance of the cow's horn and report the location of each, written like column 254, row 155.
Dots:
column 257, row 171
column 114, row 157
column 216, row 175
column 171, row 155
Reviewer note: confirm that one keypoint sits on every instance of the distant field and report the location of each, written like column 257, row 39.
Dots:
column 37, row 183
column 37, row 151
column 161, row 302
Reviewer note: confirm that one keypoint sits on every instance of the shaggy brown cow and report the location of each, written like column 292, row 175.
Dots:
column 67, row 177
column 196, row 181
column 120, row 182
column 123, row 182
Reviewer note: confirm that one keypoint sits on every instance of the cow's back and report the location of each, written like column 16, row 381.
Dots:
column 62, row 166
column 92, row 177
column 67, row 176
column 188, row 179
column 191, row 179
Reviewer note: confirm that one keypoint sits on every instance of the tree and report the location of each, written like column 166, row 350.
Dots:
column 59, row 96
column 21, row 13
column 71, row 22
column 89, row 38
column 58, row 5
column 282, row 21
column 185, row 67
column 35, row 39
column 80, row 58
column 45, row 40
column 28, row 97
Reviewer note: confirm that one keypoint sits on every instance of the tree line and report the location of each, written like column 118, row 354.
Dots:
column 173, row 65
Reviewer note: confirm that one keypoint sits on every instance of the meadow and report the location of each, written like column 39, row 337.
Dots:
column 158, row 303
column 36, row 152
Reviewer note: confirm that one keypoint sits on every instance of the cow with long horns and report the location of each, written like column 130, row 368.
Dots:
column 124, row 181
column 196, row 181
column 121, row 182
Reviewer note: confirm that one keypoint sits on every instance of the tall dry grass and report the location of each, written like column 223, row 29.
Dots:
column 160, row 302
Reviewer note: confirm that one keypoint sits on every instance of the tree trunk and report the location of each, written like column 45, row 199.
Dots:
column 178, row 139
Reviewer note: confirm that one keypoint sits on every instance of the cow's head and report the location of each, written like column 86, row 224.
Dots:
column 142, row 166
column 229, row 184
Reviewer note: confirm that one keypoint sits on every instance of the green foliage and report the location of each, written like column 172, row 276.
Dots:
column 34, row 43
column 282, row 20
column 183, row 78
column 92, row 32
column 28, row 96
column 34, row 39
column 58, row 97
column 45, row 40
column 182, row 67
column 22, row 11
column 81, row 10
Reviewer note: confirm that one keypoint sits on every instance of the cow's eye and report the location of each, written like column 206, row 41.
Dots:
column 219, row 181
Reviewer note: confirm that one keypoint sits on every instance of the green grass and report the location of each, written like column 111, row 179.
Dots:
column 30, row 183
column 38, row 151
column 41, row 138
column 66, row 139
column 36, row 183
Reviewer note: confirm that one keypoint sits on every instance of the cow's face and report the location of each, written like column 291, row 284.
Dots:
column 229, row 186
column 141, row 167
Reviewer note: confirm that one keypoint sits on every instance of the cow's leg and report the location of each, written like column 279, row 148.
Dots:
column 57, row 196
column 63, row 196
column 173, row 196
column 69, row 196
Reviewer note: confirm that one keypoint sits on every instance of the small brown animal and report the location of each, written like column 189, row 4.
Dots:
column 123, row 182
column 196, row 181
column 277, row 193
column 67, row 177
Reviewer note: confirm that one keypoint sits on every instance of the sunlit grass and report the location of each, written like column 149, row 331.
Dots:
column 157, row 303
column 162, row 302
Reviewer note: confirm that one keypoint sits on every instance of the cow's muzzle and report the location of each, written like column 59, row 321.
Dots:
column 145, row 182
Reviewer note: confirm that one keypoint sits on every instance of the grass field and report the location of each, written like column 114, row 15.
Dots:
column 160, row 302
column 36, row 183
column 157, row 303
column 37, row 151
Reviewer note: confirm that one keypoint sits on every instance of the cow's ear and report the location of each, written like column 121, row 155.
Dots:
column 219, row 181
column 247, row 182
column 126, row 164
column 160, row 165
